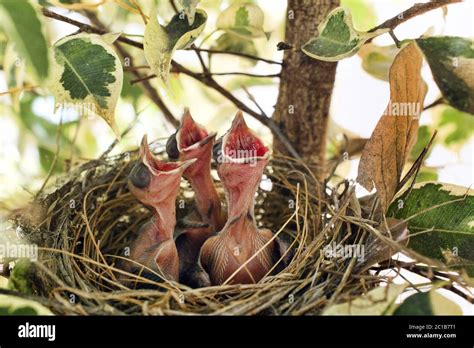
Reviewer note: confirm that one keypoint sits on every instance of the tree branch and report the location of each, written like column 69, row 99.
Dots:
column 305, row 89
column 437, row 102
column 205, row 69
column 239, row 54
column 415, row 10
column 205, row 79
column 88, row 28
column 210, row 82
column 152, row 76
column 243, row 74
column 146, row 86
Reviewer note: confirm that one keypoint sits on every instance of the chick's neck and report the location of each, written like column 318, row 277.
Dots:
column 241, row 202
column 164, row 216
column 207, row 200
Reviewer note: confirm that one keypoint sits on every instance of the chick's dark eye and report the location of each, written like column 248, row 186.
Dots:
column 172, row 147
column 140, row 176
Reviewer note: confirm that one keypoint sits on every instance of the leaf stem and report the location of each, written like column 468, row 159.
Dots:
column 149, row 77
column 395, row 39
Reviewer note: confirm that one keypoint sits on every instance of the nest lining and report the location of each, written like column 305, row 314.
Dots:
column 84, row 226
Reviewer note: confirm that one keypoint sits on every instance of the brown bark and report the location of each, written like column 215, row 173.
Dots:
column 306, row 86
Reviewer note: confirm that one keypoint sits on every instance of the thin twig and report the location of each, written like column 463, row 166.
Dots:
column 79, row 6
column 18, row 89
column 74, row 139
column 126, row 6
column 173, row 5
column 142, row 79
column 56, row 155
column 88, row 28
column 129, row 68
column 155, row 97
column 206, row 80
column 416, row 166
column 239, row 54
column 205, row 69
column 252, row 98
column 270, row 123
column 395, row 39
column 245, row 74
column 152, row 76
column 435, row 103
column 415, row 10
column 137, row 6
column 124, row 133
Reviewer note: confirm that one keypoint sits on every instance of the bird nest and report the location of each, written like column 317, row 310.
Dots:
column 84, row 225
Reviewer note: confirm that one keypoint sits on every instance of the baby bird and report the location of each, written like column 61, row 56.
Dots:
column 242, row 158
column 156, row 184
column 192, row 141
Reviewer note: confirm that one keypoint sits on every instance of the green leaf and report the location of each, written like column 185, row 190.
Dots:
column 160, row 42
column 428, row 303
column 423, row 138
column 377, row 60
column 3, row 45
column 45, row 133
column 46, row 160
column 235, row 44
column 440, row 219
column 427, row 174
column 12, row 305
column 457, row 126
column 21, row 22
column 378, row 301
column 21, row 277
column 87, row 73
column 43, row 130
column 14, row 68
column 129, row 91
column 189, row 7
column 242, row 19
column 363, row 13
column 451, row 60
column 337, row 37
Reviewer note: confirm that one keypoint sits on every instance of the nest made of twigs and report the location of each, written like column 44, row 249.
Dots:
column 84, row 225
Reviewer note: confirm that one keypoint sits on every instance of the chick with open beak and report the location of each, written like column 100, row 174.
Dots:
column 156, row 184
column 190, row 141
column 239, row 254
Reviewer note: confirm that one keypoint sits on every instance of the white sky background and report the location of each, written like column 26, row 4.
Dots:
column 357, row 104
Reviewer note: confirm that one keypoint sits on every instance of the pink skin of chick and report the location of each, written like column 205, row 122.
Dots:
column 156, row 184
column 192, row 141
column 243, row 158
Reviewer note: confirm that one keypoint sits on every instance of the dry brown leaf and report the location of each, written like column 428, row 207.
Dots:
column 385, row 153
